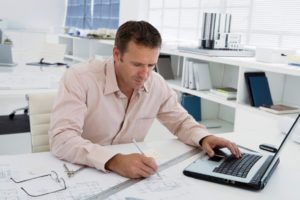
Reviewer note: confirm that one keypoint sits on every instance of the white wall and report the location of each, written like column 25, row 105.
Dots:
column 49, row 15
column 133, row 10
column 41, row 15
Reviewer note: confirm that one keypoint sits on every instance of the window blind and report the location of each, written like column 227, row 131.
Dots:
column 106, row 14
column 268, row 23
column 78, row 14
column 93, row 14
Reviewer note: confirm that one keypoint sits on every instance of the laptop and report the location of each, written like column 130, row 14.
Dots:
column 251, row 171
column 6, row 59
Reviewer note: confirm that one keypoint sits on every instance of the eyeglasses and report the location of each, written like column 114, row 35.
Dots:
column 53, row 175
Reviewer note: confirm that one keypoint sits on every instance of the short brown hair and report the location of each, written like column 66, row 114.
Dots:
column 140, row 32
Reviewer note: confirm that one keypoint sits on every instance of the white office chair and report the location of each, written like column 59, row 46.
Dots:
column 40, row 105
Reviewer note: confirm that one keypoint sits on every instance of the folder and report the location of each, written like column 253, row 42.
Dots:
column 192, row 104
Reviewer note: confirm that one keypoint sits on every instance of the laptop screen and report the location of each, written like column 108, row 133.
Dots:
column 287, row 135
column 274, row 158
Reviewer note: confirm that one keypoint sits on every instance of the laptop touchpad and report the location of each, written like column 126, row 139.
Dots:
column 219, row 155
column 216, row 158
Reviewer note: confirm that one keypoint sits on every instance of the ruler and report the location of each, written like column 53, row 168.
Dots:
column 121, row 186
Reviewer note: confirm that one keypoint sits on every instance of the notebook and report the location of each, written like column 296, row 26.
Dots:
column 253, row 175
column 6, row 59
column 258, row 87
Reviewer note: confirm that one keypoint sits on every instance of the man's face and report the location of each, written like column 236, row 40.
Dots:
column 134, row 66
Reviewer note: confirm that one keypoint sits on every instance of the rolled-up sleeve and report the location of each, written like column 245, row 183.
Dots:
column 66, row 126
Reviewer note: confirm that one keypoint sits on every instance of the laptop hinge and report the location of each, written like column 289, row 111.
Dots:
column 262, row 176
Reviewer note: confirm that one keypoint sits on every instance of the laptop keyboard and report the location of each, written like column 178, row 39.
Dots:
column 239, row 167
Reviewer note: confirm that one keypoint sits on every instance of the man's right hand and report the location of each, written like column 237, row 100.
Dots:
column 132, row 165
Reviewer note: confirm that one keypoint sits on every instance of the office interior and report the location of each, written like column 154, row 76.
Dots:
column 264, row 36
column 273, row 30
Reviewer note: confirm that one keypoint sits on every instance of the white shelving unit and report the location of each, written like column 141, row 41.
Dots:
column 83, row 48
column 236, row 115
column 229, row 71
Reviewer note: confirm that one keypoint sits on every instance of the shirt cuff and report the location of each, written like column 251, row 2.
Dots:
column 198, row 135
column 98, row 156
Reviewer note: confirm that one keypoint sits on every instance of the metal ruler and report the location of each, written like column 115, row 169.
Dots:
column 117, row 188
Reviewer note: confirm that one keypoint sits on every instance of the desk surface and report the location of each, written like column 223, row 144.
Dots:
column 16, row 82
column 24, row 78
column 282, row 185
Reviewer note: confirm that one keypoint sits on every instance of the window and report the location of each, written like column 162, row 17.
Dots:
column 106, row 14
column 79, row 14
column 93, row 14
column 269, row 23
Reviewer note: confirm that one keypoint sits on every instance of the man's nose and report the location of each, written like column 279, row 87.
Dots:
column 144, row 71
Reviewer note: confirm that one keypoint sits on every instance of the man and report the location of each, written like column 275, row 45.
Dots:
column 116, row 101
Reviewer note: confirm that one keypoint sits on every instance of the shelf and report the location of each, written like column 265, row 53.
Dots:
column 249, row 62
column 265, row 113
column 226, row 127
column 101, row 41
column 176, row 85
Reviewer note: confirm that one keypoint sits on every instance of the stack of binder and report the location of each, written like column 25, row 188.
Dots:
column 196, row 76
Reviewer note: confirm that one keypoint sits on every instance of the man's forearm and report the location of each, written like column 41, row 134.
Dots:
column 73, row 148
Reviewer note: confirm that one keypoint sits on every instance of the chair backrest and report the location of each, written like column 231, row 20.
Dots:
column 40, row 106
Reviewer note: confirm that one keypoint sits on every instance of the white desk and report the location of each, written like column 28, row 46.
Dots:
column 282, row 185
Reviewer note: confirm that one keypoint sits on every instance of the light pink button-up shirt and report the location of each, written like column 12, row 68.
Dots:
column 90, row 113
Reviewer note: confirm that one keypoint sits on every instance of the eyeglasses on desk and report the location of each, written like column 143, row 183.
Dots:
column 52, row 174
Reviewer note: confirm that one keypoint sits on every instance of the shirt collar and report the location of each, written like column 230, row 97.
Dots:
column 111, row 84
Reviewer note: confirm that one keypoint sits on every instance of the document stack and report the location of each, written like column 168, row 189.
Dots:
column 196, row 76
column 294, row 60
column 280, row 109
column 227, row 93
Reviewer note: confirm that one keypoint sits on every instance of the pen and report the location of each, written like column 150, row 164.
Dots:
column 140, row 150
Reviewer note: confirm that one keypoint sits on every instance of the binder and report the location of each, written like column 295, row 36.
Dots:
column 259, row 90
column 191, row 76
column 192, row 104
column 203, row 76
column 185, row 75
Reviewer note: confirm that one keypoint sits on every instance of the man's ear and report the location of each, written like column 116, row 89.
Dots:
column 116, row 55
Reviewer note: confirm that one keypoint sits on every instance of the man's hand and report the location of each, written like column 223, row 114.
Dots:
column 132, row 165
column 210, row 142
